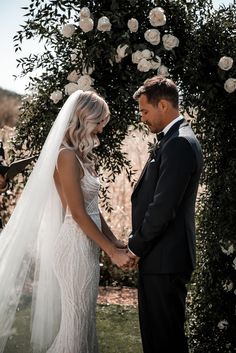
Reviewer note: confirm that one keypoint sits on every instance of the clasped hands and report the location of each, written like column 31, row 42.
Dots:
column 123, row 258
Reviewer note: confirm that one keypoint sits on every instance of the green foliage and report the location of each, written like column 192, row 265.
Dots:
column 214, row 284
column 116, row 82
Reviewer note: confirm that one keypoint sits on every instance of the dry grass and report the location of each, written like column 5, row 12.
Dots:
column 136, row 147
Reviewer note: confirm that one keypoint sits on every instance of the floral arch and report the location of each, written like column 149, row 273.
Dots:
column 112, row 47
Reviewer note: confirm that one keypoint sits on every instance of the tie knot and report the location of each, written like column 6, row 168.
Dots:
column 160, row 136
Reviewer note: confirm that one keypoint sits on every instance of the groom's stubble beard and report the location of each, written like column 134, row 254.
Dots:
column 153, row 129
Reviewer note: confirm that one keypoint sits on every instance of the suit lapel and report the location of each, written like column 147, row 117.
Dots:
column 142, row 174
column 164, row 139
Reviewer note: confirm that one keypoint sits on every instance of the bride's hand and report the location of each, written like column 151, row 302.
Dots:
column 120, row 257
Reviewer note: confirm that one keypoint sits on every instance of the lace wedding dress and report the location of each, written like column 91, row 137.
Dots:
column 76, row 264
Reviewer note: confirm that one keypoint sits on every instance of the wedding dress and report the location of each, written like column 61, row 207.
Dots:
column 65, row 279
column 76, row 265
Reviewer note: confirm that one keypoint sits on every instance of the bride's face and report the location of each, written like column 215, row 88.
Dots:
column 99, row 127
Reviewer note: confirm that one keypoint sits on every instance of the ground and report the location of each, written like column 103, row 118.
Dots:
column 118, row 295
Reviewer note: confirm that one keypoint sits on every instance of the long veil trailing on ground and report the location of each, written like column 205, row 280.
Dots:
column 29, row 237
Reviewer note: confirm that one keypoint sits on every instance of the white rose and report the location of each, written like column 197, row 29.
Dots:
column 84, row 12
column 104, row 24
column 121, row 50
column 68, row 30
column 86, row 24
column 157, row 17
column 56, row 96
column 156, row 62
column 137, row 56
column 73, row 76
column 230, row 85
column 88, row 70
column 228, row 286
column 225, row 63
column 163, row 70
column 133, row 25
column 228, row 251
column 152, row 36
column 144, row 65
column 71, row 88
column 170, row 41
column 223, row 324
column 147, row 54
column 85, row 82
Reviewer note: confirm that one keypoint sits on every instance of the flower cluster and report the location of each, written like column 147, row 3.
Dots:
column 86, row 23
column 225, row 63
column 77, row 81
column 145, row 59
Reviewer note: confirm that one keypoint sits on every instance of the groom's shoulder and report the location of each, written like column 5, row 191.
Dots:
column 187, row 133
column 181, row 141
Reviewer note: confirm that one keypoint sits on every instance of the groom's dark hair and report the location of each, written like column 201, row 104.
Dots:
column 157, row 88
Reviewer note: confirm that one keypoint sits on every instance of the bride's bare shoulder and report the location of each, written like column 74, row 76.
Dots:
column 67, row 160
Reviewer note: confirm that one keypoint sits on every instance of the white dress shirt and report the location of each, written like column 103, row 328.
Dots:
column 167, row 128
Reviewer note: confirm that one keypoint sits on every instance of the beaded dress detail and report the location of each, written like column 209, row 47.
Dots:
column 76, row 264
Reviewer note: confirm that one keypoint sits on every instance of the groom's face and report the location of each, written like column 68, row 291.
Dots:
column 151, row 115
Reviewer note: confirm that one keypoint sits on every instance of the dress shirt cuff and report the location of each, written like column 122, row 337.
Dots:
column 131, row 251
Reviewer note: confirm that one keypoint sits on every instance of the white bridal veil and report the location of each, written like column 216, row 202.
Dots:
column 29, row 237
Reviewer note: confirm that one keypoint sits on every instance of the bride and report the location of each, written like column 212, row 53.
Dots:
column 57, row 226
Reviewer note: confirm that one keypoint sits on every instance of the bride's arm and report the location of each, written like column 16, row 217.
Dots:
column 70, row 173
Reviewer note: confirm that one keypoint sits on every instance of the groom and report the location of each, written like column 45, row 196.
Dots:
column 163, row 208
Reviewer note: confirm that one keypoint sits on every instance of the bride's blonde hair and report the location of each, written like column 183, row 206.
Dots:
column 91, row 110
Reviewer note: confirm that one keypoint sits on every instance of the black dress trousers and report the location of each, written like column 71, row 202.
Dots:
column 162, row 312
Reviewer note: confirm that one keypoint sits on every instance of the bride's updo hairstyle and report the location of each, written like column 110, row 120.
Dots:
column 90, row 111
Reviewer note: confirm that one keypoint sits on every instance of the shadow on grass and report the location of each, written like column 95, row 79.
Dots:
column 117, row 328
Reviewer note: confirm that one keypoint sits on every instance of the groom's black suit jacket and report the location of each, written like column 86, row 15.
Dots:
column 163, row 204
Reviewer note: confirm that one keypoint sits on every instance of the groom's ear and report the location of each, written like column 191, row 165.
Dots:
column 164, row 105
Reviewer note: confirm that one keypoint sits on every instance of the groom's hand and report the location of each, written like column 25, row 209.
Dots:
column 135, row 259
column 132, row 264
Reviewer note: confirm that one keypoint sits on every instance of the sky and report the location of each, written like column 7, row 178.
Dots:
column 11, row 17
